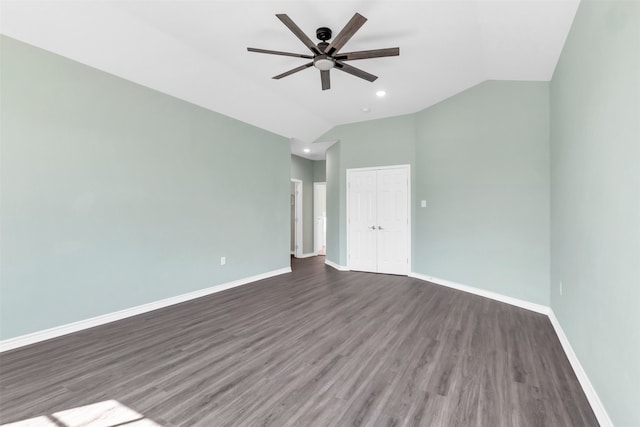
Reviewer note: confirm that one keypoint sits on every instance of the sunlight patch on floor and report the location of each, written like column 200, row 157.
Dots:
column 109, row 413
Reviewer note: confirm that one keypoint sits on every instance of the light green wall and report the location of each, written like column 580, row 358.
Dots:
column 319, row 170
column 114, row 195
column 302, row 169
column 595, row 200
column 382, row 142
column 481, row 160
column 482, row 165
column 334, row 203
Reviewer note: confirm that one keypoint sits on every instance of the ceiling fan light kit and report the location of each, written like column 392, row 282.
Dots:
column 323, row 62
column 326, row 55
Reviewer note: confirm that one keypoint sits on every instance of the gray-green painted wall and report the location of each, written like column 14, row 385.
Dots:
column 319, row 170
column 334, row 204
column 529, row 184
column 114, row 195
column 481, row 161
column 132, row 216
column 383, row 142
column 482, row 165
column 302, row 169
column 595, row 200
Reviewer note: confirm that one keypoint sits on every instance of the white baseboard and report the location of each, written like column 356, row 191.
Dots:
column 23, row 340
column 336, row 266
column 307, row 255
column 595, row 402
column 597, row 406
column 538, row 308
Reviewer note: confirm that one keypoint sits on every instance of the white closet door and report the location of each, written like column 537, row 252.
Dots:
column 393, row 221
column 378, row 215
column 362, row 221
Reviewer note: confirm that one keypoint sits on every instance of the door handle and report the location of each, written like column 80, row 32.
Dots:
column 379, row 228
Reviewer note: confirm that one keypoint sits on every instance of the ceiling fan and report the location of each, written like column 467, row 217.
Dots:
column 326, row 55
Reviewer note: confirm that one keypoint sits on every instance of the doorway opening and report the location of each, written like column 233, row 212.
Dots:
column 320, row 218
column 296, row 218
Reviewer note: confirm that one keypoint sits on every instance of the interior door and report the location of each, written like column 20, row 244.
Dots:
column 320, row 215
column 378, row 220
column 393, row 221
column 362, row 221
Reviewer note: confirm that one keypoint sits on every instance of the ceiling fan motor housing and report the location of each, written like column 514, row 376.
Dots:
column 322, row 46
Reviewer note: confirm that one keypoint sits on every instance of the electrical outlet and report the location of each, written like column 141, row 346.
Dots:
column 223, row 260
column 560, row 288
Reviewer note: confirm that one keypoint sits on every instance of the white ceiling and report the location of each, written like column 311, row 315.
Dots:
column 196, row 51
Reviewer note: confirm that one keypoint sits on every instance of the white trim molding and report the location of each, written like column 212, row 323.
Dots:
column 336, row 266
column 405, row 167
column 35, row 337
column 298, row 202
column 590, row 392
column 538, row 308
column 307, row 255
column 595, row 402
column 319, row 235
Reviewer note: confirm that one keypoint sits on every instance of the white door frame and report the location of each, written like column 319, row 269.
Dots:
column 298, row 214
column 408, row 169
column 316, row 214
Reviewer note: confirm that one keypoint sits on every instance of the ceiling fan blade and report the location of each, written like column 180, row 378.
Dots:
column 366, row 54
column 295, row 70
column 347, row 32
column 326, row 81
column 298, row 32
column 355, row 71
column 276, row 52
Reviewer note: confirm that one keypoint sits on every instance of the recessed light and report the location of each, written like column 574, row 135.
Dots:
column 307, row 150
column 381, row 93
column 366, row 109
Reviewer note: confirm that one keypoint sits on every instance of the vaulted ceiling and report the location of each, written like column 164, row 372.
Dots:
column 197, row 51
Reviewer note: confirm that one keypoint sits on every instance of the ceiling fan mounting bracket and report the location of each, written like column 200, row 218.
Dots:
column 323, row 33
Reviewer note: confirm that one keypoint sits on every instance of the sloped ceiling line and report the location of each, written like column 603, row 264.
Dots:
column 196, row 51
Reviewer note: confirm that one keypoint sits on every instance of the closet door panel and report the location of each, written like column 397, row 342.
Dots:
column 393, row 221
column 362, row 221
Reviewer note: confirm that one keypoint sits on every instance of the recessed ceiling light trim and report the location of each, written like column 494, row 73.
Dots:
column 381, row 93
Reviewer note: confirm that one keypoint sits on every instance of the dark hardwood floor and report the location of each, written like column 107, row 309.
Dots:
column 312, row 348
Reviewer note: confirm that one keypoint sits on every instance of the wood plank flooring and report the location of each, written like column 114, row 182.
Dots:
column 316, row 347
